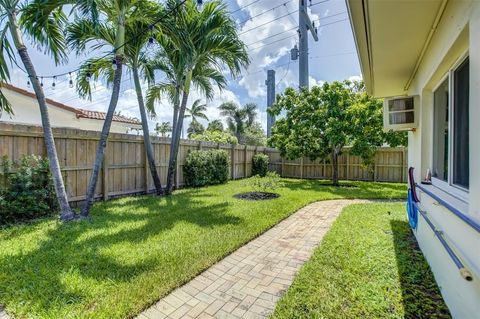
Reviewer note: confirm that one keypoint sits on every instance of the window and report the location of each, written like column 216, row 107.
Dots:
column 451, row 129
column 440, row 129
column 460, row 125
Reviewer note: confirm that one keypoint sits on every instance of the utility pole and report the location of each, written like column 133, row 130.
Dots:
column 305, row 25
column 270, row 83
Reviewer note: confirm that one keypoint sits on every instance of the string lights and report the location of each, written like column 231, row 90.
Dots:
column 88, row 74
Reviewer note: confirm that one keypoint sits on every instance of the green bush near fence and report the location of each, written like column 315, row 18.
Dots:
column 26, row 190
column 206, row 168
column 260, row 164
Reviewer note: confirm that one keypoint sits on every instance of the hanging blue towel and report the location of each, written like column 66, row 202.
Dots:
column 412, row 211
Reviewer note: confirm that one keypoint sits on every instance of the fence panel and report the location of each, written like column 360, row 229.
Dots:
column 125, row 168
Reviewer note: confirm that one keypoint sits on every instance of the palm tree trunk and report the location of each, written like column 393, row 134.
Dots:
column 102, row 143
column 146, row 133
column 172, row 163
column 172, row 172
column 66, row 213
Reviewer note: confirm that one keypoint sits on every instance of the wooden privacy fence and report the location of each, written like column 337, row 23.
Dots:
column 390, row 165
column 125, row 168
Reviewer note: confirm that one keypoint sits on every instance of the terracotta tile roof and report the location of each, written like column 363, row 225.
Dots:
column 80, row 113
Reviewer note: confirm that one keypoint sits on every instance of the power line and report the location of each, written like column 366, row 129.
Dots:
column 266, row 11
column 247, row 5
column 260, row 70
column 294, row 35
column 296, row 27
column 278, row 18
column 154, row 23
column 285, row 74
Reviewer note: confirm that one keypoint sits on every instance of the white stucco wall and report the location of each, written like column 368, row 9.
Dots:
column 26, row 111
column 458, row 34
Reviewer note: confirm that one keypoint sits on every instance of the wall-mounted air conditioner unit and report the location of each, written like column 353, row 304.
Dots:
column 400, row 113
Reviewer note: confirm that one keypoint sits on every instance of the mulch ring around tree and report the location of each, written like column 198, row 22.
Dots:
column 256, row 196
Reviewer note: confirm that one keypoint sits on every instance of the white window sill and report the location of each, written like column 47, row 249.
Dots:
column 455, row 201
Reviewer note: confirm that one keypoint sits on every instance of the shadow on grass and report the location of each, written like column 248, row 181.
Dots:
column 37, row 276
column 421, row 296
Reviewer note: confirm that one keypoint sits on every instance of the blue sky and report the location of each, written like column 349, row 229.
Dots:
column 333, row 57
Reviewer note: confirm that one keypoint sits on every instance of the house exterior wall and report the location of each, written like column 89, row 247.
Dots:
column 26, row 111
column 457, row 36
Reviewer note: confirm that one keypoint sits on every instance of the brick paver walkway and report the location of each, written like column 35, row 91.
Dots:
column 249, row 282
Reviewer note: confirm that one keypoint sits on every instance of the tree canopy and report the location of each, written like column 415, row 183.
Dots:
column 320, row 122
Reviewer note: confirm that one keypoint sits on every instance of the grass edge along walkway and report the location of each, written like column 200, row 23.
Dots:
column 248, row 282
column 138, row 249
column 368, row 266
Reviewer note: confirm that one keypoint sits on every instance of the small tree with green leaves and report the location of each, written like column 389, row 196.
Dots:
column 320, row 122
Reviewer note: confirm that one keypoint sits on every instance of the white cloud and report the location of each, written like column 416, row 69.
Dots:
column 355, row 78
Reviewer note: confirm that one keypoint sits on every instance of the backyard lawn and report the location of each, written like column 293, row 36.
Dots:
column 137, row 249
column 368, row 266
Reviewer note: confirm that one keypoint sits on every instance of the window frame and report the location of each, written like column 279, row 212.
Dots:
column 448, row 186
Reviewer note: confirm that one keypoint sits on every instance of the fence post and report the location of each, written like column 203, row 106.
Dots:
column 146, row 172
column 232, row 155
column 402, row 169
column 324, row 169
column 245, row 162
column 105, row 176
column 348, row 166
column 177, row 168
column 199, row 145
column 301, row 168
column 283, row 167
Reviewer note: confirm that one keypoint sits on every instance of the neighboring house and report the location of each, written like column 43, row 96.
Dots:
column 430, row 50
column 26, row 111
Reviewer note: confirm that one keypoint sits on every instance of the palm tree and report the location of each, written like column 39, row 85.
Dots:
column 197, row 111
column 163, row 129
column 85, row 31
column 116, row 16
column 215, row 125
column 208, row 41
column 53, row 42
column 195, row 128
column 238, row 118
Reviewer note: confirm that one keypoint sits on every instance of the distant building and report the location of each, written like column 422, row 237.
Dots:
column 26, row 111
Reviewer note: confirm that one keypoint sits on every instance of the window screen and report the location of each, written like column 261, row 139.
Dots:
column 460, row 126
column 440, row 131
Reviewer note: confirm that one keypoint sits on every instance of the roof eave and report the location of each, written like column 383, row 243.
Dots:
column 358, row 14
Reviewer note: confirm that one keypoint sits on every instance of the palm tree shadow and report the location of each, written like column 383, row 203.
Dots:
column 420, row 293
column 87, row 249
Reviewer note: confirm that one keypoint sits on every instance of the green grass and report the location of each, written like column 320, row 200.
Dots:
column 368, row 266
column 137, row 249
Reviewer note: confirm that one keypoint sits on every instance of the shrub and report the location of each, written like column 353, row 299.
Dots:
column 260, row 164
column 215, row 136
column 269, row 182
column 27, row 192
column 206, row 168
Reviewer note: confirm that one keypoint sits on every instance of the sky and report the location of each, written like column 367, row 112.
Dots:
column 269, row 32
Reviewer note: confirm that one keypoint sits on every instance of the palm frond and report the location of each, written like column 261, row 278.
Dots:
column 96, row 69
